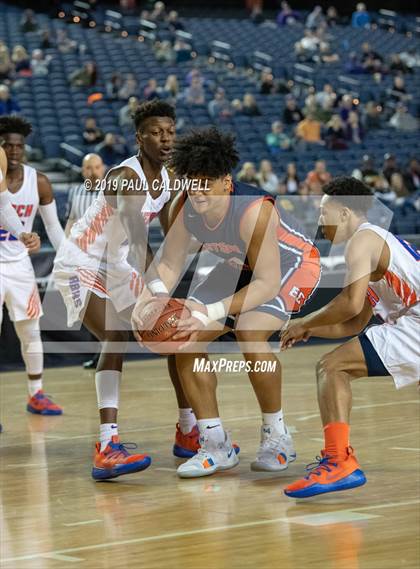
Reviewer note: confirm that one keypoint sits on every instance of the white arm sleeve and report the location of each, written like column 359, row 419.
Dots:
column 9, row 219
column 52, row 225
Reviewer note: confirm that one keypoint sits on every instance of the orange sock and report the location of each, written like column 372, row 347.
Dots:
column 336, row 437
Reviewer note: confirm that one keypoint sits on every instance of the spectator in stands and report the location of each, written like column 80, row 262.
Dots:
column 411, row 58
column 367, row 172
column 125, row 117
column 129, row 87
column 292, row 114
column 396, row 184
column 46, row 41
column 346, row 106
column 267, row 179
column 287, row 16
column 194, row 73
column 111, row 150
column 64, row 43
column 335, row 136
column 249, row 106
column 403, row 120
column 332, row 17
column 152, row 90
column 267, row 84
column 354, row 129
column 92, row 134
column 412, row 176
column 315, row 18
column 372, row 115
column 113, row 86
column 21, row 60
column 219, row 106
column 308, row 131
column 397, row 65
column 173, row 21
column 317, row 178
column 28, row 22
column 164, row 52
column 6, row 66
column 327, row 97
column 326, row 54
column 85, row 76
column 353, row 65
column 368, row 54
column 248, row 174
column 398, row 92
column 171, row 89
column 307, row 47
column 182, row 50
column 277, row 140
column 158, row 14
column 290, row 183
column 390, row 166
column 194, row 94
column 8, row 105
column 360, row 18
column 40, row 63
column 236, row 105
column 320, row 114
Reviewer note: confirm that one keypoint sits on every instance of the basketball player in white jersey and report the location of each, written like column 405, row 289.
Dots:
column 100, row 287
column 30, row 192
column 383, row 279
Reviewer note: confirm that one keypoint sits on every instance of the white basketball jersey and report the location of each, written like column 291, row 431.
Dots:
column 100, row 227
column 398, row 291
column 26, row 202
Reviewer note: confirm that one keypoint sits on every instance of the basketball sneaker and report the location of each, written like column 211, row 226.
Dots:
column 187, row 445
column 210, row 458
column 115, row 460
column 276, row 451
column 40, row 404
column 328, row 475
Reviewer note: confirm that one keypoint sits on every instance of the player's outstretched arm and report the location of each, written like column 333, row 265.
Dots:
column 48, row 211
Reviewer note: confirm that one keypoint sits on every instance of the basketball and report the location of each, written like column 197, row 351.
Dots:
column 159, row 318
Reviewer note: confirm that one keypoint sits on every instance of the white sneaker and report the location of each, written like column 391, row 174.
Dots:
column 276, row 451
column 210, row 458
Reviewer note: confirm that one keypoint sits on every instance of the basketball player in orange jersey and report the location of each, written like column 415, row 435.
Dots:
column 383, row 279
column 100, row 287
column 30, row 192
column 268, row 269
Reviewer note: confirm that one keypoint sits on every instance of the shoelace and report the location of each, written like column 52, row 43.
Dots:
column 122, row 448
column 41, row 395
column 322, row 463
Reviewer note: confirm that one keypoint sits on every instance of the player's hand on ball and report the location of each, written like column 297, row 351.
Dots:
column 295, row 332
column 189, row 327
column 31, row 241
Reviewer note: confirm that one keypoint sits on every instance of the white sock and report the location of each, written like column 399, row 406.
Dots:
column 107, row 431
column 186, row 420
column 276, row 421
column 34, row 385
column 212, row 428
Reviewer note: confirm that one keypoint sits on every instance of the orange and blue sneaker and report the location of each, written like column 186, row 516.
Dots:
column 328, row 475
column 187, row 445
column 40, row 404
column 115, row 460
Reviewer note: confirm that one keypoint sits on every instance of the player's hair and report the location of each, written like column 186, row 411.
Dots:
column 344, row 187
column 16, row 125
column 204, row 152
column 154, row 108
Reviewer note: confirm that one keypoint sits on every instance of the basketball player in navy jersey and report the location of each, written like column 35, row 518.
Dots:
column 269, row 269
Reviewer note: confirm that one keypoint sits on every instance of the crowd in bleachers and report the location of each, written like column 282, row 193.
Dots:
column 323, row 96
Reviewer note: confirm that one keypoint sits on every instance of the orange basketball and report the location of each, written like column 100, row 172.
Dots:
column 160, row 317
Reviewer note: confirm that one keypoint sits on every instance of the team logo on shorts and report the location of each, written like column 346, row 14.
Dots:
column 74, row 285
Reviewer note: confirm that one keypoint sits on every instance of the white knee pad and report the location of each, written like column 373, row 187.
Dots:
column 108, row 388
column 29, row 335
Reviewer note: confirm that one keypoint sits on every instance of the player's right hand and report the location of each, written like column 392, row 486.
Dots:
column 31, row 241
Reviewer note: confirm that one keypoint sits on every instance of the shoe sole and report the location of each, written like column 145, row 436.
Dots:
column 208, row 472
column 181, row 452
column 108, row 473
column 261, row 467
column 43, row 412
column 353, row 480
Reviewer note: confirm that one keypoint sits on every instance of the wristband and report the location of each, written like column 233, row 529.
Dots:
column 200, row 316
column 216, row 311
column 157, row 287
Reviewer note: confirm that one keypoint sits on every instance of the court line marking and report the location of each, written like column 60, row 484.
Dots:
column 357, row 407
column 406, row 448
column 85, row 523
column 179, row 534
column 60, row 557
column 163, row 469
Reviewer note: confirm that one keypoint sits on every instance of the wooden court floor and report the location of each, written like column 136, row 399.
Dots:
column 54, row 516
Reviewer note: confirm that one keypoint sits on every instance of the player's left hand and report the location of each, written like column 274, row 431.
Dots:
column 31, row 241
column 189, row 327
column 295, row 332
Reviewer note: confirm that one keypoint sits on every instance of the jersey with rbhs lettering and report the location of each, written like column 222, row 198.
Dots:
column 399, row 289
column 101, row 229
column 26, row 202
